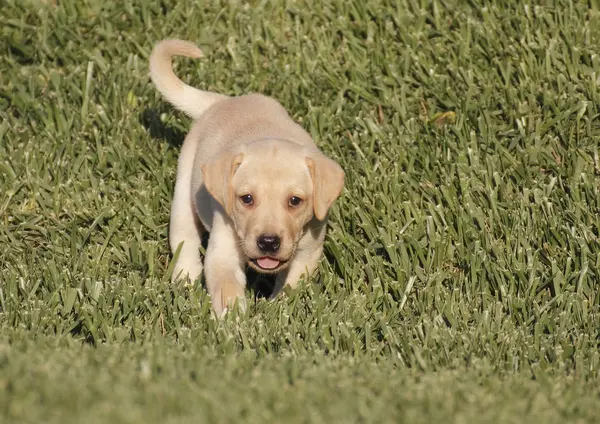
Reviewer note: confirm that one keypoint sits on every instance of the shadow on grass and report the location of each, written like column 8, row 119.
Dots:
column 150, row 119
column 261, row 285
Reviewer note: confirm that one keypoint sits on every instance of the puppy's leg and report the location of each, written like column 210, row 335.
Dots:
column 224, row 267
column 304, row 263
column 185, row 227
column 186, row 231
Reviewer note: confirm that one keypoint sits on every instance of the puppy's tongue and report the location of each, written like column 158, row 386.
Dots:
column 267, row 263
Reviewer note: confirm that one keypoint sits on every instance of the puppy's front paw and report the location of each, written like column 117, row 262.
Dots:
column 225, row 296
column 187, row 272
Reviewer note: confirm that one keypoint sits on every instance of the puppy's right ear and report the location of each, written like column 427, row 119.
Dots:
column 217, row 178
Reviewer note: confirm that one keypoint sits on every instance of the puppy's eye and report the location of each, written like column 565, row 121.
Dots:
column 294, row 201
column 247, row 199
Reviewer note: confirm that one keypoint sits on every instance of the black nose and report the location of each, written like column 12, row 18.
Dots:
column 268, row 243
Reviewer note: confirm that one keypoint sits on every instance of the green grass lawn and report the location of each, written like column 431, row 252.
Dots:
column 461, row 270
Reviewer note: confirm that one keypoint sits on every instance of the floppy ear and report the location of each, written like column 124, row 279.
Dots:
column 328, row 181
column 217, row 178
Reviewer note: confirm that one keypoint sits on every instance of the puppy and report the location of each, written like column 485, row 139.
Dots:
column 251, row 177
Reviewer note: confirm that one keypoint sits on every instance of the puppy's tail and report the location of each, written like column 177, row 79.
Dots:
column 192, row 101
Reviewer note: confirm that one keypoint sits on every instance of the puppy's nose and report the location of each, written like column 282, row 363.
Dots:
column 268, row 243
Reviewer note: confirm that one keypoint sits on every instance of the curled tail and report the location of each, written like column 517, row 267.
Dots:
column 192, row 101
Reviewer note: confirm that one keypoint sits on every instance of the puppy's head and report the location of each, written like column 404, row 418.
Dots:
column 271, row 189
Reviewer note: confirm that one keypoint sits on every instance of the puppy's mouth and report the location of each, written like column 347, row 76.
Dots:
column 267, row 264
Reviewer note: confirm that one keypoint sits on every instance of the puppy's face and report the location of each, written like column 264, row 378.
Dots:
column 271, row 189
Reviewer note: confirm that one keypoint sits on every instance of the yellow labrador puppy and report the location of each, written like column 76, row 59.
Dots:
column 250, row 176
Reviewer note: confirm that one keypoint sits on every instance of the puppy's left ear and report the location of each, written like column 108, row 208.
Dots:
column 217, row 177
column 328, row 181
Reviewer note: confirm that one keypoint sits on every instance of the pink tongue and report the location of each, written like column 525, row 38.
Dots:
column 267, row 263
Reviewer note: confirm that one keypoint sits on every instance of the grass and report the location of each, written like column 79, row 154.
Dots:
column 460, row 280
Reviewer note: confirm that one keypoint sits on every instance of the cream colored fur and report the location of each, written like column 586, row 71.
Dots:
column 239, row 147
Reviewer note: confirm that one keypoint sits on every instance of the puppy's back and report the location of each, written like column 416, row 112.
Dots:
column 243, row 119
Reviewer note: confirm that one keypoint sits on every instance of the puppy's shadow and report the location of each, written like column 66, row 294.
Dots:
column 261, row 285
column 150, row 119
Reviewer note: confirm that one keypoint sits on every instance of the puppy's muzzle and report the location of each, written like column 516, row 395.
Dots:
column 268, row 245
